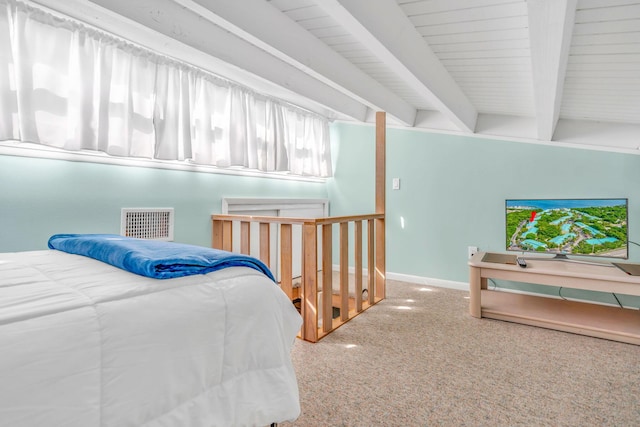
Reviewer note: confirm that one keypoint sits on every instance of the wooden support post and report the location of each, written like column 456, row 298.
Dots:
column 381, row 124
column 310, row 282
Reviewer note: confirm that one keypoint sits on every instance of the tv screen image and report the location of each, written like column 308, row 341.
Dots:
column 588, row 227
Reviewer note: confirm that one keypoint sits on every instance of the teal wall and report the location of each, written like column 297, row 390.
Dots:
column 40, row 197
column 453, row 189
column 452, row 194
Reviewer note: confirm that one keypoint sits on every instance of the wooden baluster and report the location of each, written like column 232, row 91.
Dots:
column 227, row 235
column 216, row 234
column 310, row 282
column 327, row 278
column 245, row 237
column 286, row 260
column 358, row 264
column 380, row 259
column 344, row 271
column 371, row 264
column 265, row 243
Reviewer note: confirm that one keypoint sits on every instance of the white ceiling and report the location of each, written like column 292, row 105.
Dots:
column 562, row 72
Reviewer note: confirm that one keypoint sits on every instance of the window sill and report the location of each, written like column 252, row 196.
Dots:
column 22, row 149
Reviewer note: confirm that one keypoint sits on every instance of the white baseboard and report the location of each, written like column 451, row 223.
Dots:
column 428, row 281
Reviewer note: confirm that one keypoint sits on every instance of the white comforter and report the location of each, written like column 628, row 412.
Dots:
column 86, row 344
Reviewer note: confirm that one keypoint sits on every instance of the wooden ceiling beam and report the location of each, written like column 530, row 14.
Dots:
column 263, row 25
column 550, row 31
column 385, row 29
column 174, row 21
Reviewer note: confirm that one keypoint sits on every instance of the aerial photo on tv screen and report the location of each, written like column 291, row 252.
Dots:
column 571, row 226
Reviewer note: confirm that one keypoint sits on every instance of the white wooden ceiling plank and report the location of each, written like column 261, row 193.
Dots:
column 486, row 80
column 313, row 23
column 595, row 113
column 286, row 5
column 339, row 40
column 617, row 88
column 456, row 69
column 605, row 79
column 600, row 117
column 406, row 53
column 486, row 61
column 603, row 74
column 496, row 92
column 607, row 49
column 603, row 66
column 497, row 53
column 322, row 33
column 479, row 36
column 482, row 13
column 613, row 94
column 605, row 39
column 515, row 22
column 304, row 13
column 591, row 4
column 432, row 6
column 481, row 45
column 285, row 39
column 350, row 47
column 606, row 27
column 511, row 110
column 608, row 13
column 630, row 58
column 550, row 26
column 508, row 103
column 480, row 73
column 595, row 106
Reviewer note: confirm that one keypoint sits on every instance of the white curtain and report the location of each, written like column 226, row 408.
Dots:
column 78, row 89
column 9, row 125
column 65, row 85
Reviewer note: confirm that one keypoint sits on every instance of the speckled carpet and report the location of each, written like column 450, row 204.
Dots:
column 419, row 359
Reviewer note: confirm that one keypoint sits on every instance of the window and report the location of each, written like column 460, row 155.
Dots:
column 69, row 86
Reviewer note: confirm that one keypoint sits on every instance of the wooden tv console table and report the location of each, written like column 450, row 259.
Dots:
column 597, row 320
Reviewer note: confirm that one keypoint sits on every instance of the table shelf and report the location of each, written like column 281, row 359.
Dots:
column 580, row 317
column 596, row 320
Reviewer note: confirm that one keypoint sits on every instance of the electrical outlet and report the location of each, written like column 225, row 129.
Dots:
column 472, row 250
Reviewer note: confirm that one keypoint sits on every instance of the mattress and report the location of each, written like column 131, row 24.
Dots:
column 83, row 343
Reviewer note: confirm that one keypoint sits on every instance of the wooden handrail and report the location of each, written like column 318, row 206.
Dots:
column 294, row 220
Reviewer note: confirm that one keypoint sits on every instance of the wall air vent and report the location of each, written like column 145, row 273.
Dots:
column 147, row 223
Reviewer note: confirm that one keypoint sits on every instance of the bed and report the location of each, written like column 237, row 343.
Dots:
column 85, row 343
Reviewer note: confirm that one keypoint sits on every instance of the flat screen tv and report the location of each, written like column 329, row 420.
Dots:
column 587, row 227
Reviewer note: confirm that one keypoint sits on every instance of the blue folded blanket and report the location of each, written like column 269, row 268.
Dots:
column 153, row 258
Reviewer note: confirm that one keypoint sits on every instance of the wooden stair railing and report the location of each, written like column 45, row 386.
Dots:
column 317, row 324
